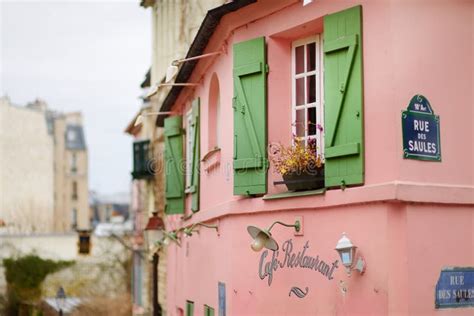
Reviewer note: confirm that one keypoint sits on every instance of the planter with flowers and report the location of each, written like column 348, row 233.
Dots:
column 300, row 165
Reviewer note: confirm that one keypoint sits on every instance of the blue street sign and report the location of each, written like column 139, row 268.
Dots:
column 455, row 288
column 420, row 129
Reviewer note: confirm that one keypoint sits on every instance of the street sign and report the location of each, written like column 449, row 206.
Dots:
column 455, row 288
column 420, row 127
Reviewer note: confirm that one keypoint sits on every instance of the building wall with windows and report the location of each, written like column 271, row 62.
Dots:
column 71, row 174
column 44, row 169
column 393, row 209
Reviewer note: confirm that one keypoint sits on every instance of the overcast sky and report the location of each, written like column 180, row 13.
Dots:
column 88, row 56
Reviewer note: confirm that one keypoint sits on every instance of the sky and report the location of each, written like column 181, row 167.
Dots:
column 88, row 56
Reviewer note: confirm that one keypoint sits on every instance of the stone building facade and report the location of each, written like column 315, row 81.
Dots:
column 26, row 169
column 43, row 168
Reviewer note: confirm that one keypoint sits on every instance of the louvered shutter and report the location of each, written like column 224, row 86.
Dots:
column 174, row 168
column 194, row 189
column 250, row 115
column 344, row 147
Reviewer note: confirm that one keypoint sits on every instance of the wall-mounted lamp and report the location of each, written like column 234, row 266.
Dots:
column 60, row 300
column 188, row 231
column 173, row 68
column 139, row 119
column 347, row 252
column 154, row 231
column 155, row 88
column 173, row 236
column 263, row 238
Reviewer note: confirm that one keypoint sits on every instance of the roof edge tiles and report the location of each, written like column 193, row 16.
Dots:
column 199, row 44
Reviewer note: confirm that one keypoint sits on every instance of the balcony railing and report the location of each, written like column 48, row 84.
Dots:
column 142, row 164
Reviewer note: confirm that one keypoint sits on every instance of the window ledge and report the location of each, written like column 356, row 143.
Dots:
column 290, row 194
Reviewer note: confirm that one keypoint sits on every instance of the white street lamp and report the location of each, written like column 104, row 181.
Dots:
column 154, row 231
column 61, row 300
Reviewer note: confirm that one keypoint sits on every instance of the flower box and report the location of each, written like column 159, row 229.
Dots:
column 302, row 181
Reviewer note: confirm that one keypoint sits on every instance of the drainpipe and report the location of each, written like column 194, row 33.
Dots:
column 156, row 304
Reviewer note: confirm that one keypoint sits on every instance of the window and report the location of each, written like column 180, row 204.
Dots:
column 74, row 162
column 189, row 147
column 71, row 136
column 307, row 98
column 142, row 164
column 84, row 242
column 74, row 219
column 214, row 111
column 74, row 190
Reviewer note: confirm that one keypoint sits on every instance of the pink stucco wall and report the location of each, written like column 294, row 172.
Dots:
column 409, row 219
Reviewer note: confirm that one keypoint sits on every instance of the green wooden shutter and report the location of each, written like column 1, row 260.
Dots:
column 174, row 171
column 194, row 189
column 208, row 311
column 189, row 308
column 250, row 116
column 344, row 147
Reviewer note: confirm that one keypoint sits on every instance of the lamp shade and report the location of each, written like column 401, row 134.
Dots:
column 154, row 230
column 171, row 72
column 261, row 239
column 346, row 250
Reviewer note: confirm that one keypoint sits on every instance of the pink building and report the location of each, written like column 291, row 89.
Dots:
column 339, row 73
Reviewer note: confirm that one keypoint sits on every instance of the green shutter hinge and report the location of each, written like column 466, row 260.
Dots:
column 267, row 68
column 234, row 101
column 343, row 185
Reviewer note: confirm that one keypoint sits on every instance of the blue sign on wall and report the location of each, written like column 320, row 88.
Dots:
column 455, row 288
column 420, row 128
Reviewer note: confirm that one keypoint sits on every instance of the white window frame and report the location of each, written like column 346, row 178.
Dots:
column 189, row 147
column 319, row 102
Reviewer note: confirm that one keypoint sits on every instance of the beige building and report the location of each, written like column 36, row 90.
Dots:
column 43, row 169
column 71, row 174
column 174, row 25
column 26, row 169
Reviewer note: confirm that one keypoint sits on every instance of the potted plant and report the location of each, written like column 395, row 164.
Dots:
column 300, row 165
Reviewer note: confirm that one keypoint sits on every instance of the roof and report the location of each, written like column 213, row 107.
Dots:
column 204, row 34
column 147, row 81
column 75, row 137
column 147, row 3
column 133, row 129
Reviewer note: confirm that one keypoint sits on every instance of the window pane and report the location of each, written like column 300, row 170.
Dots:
column 311, row 121
column 311, row 80
column 311, row 55
column 299, row 91
column 299, row 59
column 300, row 123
